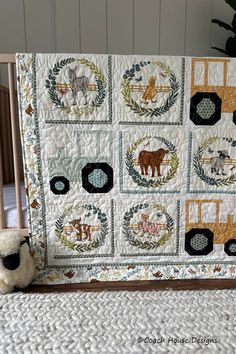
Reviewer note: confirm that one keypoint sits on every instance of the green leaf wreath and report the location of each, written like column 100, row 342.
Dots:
column 84, row 247
column 100, row 83
column 197, row 165
column 147, row 245
column 159, row 181
column 149, row 112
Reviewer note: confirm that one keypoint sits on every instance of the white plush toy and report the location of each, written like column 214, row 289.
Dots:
column 17, row 267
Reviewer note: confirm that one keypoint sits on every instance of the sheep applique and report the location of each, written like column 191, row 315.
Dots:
column 218, row 162
column 17, row 268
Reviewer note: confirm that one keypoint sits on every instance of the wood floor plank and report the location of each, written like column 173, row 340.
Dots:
column 144, row 285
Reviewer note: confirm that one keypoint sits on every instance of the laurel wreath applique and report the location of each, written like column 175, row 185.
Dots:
column 158, row 181
column 84, row 247
column 147, row 245
column 197, row 165
column 79, row 111
column 143, row 111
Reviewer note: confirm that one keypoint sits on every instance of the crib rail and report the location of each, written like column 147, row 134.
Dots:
column 10, row 100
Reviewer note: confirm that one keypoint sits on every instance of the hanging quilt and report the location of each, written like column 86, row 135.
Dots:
column 130, row 166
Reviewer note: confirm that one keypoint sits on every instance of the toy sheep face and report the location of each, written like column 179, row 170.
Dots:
column 12, row 261
column 17, row 267
column 10, row 244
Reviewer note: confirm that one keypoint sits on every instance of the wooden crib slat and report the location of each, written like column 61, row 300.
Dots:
column 15, row 144
column 5, row 127
column 9, row 157
column 4, row 145
column 2, row 213
column 2, row 118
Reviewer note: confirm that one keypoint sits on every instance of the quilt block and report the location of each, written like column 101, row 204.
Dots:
column 130, row 166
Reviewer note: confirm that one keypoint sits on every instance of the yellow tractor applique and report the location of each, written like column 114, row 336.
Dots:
column 211, row 93
column 204, row 229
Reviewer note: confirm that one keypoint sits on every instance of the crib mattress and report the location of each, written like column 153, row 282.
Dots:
column 10, row 205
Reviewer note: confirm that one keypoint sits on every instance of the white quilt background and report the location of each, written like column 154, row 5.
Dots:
column 96, row 121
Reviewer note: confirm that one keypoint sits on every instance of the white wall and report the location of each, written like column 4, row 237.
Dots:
column 113, row 26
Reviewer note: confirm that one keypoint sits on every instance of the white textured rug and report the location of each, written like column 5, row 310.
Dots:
column 119, row 322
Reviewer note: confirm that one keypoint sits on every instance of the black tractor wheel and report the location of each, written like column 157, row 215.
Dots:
column 199, row 242
column 59, row 185
column 230, row 247
column 205, row 108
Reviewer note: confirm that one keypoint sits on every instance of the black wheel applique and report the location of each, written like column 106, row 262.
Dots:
column 59, row 185
column 199, row 242
column 205, row 108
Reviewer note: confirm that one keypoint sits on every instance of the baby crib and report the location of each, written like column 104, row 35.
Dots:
column 12, row 197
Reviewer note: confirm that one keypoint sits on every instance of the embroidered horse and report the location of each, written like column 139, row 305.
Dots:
column 78, row 83
column 81, row 229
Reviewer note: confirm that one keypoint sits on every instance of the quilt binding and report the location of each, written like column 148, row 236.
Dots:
column 26, row 87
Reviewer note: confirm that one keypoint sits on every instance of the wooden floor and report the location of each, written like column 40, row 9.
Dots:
column 203, row 284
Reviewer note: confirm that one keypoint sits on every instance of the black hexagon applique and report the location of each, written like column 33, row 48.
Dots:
column 199, row 242
column 205, row 108
column 59, row 185
column 230, row 247
column 97, row 177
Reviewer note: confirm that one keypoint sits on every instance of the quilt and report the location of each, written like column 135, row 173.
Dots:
column 130, row 166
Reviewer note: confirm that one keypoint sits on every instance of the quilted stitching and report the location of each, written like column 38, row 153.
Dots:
column 130, row 165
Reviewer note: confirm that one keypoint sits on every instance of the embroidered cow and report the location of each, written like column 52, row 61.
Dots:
column 151, row 228
column 81, row 229
column 152, row 159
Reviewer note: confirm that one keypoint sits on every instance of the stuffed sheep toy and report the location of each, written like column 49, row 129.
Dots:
column 17, row 267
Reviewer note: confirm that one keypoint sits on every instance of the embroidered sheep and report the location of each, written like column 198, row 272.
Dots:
column 218, row 162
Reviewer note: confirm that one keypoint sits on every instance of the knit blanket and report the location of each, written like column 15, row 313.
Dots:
column 130, row 166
